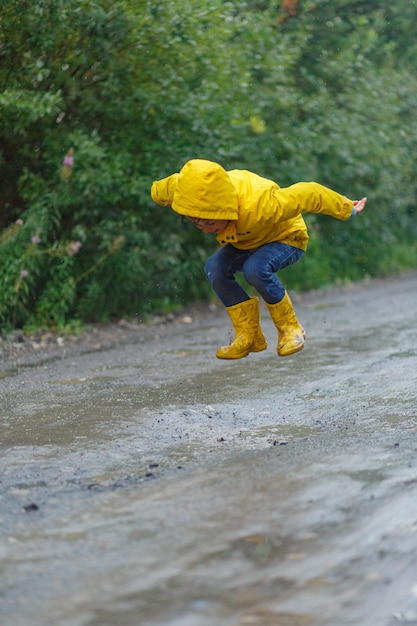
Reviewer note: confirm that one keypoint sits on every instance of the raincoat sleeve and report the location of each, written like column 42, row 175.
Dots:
column 162, row 191
column 313, row 198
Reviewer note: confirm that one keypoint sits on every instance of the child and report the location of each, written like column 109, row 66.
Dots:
column 261, row 230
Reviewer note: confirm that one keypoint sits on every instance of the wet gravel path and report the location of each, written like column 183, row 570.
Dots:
column 145, row 482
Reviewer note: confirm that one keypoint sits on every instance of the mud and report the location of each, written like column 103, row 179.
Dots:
column 146, row 483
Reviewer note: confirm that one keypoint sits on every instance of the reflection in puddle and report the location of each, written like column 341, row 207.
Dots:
column 266, row 618
column 395, row 421
column 405, row 354
column 211, row 587
column 189, row 352
column 367, row 476
column 261, row 548
column 7, row 373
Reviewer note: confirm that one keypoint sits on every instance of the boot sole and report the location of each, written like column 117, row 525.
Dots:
column 292, row 351
column 241, row 355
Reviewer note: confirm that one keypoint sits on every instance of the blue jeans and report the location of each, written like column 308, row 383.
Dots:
column 259, row 269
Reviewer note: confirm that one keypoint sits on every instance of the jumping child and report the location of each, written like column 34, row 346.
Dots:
column 260, row 229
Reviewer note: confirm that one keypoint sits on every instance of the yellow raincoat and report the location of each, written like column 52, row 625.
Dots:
column 258, row 210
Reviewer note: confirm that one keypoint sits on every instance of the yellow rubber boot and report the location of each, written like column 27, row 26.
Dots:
column 248, row 333
column 291, row 334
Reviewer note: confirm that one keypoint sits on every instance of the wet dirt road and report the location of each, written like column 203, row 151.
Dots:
column 153, row 485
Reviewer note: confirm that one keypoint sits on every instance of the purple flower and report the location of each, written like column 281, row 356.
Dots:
column 68, row 161
column 69, row 158
column 19, row 222
column 23, row 273
column 36, row 239
column 75, row 247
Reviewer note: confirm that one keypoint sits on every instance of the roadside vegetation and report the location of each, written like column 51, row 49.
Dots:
column 101, row 97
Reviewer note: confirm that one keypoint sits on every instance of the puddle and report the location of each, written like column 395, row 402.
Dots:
column 262, row 548
column 78, row 381
column 404, row 354
column 58, row 424
column 266, row 618
column 7, row 373
column 279, row 435
column 367, row 476
column 404, row 419
column 189, row 352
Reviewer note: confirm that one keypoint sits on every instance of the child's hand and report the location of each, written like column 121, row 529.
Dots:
column 359, row 205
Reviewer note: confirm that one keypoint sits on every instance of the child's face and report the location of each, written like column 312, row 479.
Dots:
column 210, row 226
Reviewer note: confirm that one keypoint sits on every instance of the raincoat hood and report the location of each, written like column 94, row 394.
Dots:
column 205, row 190
column 162, row 191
